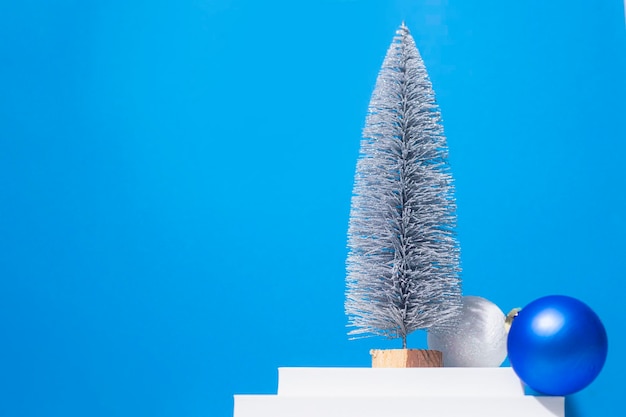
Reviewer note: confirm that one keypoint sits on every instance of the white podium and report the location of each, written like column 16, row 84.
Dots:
column 394, row 392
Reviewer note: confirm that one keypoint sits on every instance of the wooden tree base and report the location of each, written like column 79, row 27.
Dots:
column 406, row 358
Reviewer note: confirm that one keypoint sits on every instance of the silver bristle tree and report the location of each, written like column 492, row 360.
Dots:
column 403, row 262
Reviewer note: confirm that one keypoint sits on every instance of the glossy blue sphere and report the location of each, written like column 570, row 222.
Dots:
column 557, row 345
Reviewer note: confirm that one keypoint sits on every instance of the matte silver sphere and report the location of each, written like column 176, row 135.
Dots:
column 479, row 338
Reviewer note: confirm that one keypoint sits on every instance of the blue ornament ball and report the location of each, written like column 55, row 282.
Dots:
column 557, row 345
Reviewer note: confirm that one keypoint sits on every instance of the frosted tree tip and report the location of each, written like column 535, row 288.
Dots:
column 403, row 29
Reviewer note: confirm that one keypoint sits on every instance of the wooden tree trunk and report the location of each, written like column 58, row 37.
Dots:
column 406, row 358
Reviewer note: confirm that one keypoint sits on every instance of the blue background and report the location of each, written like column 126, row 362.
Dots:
column 176, row 176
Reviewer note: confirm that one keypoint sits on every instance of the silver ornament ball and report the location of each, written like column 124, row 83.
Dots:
column 477, row 340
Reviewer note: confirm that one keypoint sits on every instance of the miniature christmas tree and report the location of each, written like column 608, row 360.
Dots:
column 403, row 261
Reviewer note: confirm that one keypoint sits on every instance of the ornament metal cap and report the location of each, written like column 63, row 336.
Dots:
column 510, row 317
